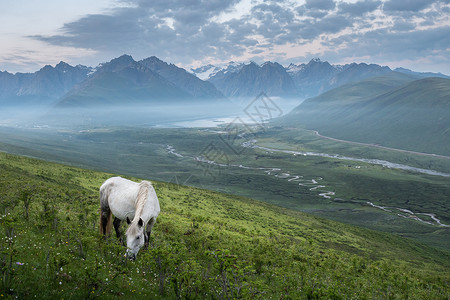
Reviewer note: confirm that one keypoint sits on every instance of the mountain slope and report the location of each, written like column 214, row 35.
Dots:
column 420, row 74
column 253, row 79
column 355, row 72
column 199, row 89
column 312, row 78
column 41, row 87
column 317, row 76
column 218, row 72
column 204, row 244
column 204, row 72
column 122, row 82
column 392, row 111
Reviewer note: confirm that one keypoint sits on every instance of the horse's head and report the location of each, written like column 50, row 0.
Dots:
column 135, row 238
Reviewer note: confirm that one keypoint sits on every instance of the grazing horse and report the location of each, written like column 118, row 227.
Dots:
column 129, row 200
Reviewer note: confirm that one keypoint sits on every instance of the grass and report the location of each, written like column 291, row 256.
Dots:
column 204, row 245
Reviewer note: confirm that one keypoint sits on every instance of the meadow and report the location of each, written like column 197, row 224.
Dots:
column 205, row 245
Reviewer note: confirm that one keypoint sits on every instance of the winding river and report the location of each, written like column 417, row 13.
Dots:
column 314, row 183
column 384, row 163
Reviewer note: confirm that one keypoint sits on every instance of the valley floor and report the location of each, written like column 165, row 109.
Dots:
column 381, row 147
column 274, row 165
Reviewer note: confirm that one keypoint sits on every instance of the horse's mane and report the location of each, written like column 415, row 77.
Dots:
column 144, row 187
column 142, row 196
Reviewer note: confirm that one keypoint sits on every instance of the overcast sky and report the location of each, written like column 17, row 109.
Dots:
column 409, row 33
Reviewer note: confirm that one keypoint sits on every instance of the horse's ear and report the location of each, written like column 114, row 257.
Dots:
column 140, row 222
column 128, row 221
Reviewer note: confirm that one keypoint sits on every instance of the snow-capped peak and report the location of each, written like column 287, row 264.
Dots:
column 205, row 72
column 292, row 69
column 209, row 71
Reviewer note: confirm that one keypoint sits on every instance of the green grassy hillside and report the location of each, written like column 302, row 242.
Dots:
column 391, row 110
column 204, row 245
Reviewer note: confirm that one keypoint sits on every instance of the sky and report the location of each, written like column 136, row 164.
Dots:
column 413, row 34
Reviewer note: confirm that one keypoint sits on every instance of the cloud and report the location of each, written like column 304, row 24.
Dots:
column 142, row 30
column 332, row 24
column 191, row 31
column 274, row 12
column 359, row 8
column 402, row 25
column 388, row 46
column 406, row 5
column 320, row 4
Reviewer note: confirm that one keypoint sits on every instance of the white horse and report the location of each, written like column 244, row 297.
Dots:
column 126, row 199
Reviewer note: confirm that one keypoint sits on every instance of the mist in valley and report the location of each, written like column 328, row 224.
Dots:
column 157, row 114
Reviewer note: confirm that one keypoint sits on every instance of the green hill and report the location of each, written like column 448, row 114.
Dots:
column 392, row 110
column 204, row 245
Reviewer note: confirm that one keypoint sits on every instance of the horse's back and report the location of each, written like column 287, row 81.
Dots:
column 121, row 195
column 118, row 182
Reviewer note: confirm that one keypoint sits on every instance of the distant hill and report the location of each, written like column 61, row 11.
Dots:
column 394, row 110
column 421, row 74
column 42, row 87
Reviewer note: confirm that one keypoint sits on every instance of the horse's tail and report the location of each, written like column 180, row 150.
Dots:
column 105, row 222
column 105, row 212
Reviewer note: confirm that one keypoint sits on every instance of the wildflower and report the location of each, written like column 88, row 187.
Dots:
column 19, row 263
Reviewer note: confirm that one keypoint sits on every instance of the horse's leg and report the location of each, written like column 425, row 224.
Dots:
column 117, row 228
column 149, row 231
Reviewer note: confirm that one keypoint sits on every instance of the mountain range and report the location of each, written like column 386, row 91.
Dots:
column 124, row 81
column 301, row 81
